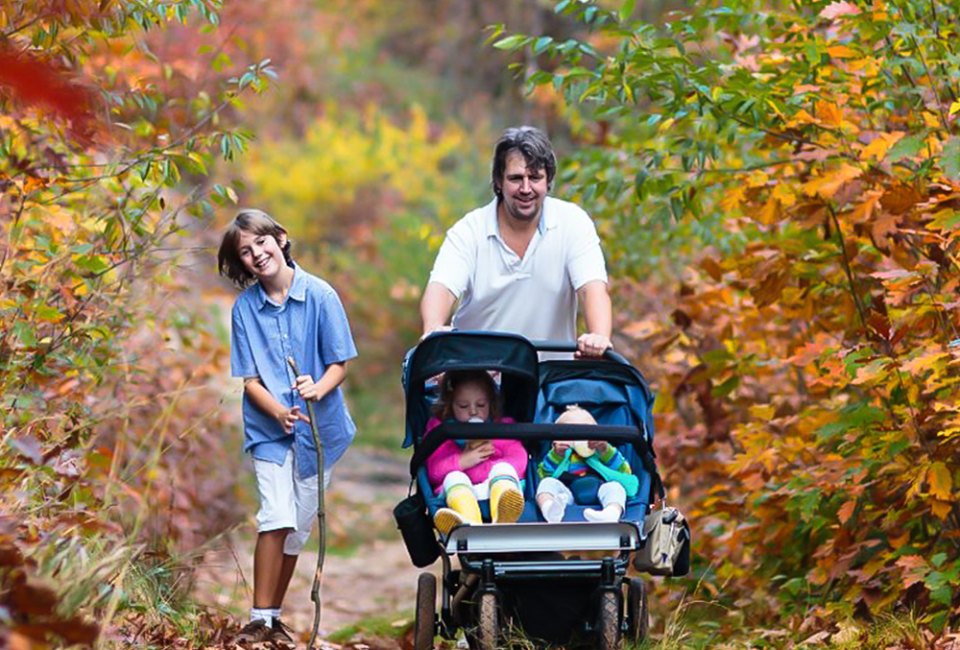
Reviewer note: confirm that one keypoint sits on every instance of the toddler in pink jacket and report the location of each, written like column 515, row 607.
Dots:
column 465, row 472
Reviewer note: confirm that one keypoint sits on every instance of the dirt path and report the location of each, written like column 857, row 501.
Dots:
column 367, row 572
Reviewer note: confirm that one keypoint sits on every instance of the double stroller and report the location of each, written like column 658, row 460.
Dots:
column 556, row 583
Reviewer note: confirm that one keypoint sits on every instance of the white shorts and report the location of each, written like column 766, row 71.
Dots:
column 287, row 501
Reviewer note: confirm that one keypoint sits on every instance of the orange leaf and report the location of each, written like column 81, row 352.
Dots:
column 879, row 146
column 864, row 210
column 828, row 184
column 846, row 510
column 829, row 113
column 842, row 52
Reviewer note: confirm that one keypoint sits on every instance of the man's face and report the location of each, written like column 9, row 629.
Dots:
column 523, row 188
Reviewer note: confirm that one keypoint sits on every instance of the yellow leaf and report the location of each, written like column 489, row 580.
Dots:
column 770, row 213
column 762, row 412
column 880, row 145
column 828, row 184
column 783, row 192
column 924, row 362
column 954, row 107
column 733, row 198
column 941, row 508
column 932, row 120
column 757, row 178
column 802, row 117
column 941, row 483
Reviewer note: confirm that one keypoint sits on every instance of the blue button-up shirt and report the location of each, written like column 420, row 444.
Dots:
column 311, row 326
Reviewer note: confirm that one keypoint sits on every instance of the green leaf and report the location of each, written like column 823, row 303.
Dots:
column 514, row 42
column 907, row 147
column 541, row 44
column 950, row 158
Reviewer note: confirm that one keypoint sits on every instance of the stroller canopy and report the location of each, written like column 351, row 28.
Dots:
column 513, row 356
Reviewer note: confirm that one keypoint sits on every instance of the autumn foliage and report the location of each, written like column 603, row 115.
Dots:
column 808, row 154
column 107, row 410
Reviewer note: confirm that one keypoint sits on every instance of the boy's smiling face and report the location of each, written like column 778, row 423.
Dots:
column 261, row 254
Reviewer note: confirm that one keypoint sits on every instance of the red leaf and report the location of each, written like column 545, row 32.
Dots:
column 40, row 83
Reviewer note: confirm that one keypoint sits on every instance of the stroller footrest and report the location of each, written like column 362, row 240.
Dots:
column 538, row 537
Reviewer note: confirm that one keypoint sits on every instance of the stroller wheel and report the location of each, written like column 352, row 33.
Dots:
column 608, row 625
column 637, row 610
column 487, row 631
column 424, row 626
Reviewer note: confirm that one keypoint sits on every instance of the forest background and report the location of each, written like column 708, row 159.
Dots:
column 776, row 185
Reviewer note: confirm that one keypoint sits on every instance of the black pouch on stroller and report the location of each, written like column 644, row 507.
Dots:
column 417, row 530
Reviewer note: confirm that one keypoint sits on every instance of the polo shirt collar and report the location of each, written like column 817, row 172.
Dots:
column 547, row 220
column 298, row 288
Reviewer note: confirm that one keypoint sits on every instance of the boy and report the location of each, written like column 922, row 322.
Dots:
column 283, row 312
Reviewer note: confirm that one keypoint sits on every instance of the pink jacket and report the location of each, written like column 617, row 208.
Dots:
column 446, row 458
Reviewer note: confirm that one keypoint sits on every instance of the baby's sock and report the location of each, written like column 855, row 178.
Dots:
column 553, row 509
column 609, row 513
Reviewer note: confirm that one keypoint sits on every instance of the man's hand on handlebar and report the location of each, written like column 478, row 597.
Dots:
column 592, row 345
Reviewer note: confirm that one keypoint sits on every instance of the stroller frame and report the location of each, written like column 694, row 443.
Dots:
column 512, row 572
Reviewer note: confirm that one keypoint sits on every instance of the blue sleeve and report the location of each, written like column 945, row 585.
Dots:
column 336, row 341
column 242, row 363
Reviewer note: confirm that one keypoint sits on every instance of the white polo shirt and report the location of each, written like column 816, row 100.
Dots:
column 536, row 295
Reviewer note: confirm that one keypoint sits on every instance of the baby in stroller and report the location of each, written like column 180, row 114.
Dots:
column 571, row 472
column 465, row 472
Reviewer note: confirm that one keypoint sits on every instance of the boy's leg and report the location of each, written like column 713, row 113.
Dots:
column 268, row 567
column 276, row 521
column 307, row 502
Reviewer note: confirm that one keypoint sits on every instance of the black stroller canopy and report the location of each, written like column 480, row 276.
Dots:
column 513, row 356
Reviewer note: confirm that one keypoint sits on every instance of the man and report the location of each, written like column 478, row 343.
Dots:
column 520, row 263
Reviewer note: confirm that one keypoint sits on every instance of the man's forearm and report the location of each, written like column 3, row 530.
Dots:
column 597, row 309
column 435, row 306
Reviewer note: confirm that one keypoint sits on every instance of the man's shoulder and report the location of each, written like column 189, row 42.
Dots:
column 565, row 209
column 477, row 220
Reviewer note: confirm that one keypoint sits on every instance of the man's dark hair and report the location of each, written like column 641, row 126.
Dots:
column 535, row 147
column 253, row 221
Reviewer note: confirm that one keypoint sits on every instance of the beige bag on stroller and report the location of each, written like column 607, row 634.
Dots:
column 666, row 551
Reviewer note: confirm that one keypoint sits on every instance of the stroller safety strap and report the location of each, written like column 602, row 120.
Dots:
column 630, row 483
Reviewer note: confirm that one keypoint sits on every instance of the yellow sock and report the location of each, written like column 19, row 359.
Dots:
column 462, row 499
column 506, row 501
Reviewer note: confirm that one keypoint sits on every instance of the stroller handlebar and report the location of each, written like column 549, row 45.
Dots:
column 571, row 346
